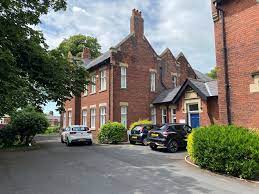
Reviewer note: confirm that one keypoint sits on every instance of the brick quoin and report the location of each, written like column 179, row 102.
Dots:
column 242, row 39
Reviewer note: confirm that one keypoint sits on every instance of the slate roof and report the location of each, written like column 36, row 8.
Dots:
column 204, row 89
column 201, row 76
column 97, row 60
column 92, row 63
column 166, row 96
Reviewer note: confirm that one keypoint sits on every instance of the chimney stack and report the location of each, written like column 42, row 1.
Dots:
column 86, row 53
column 137, row 23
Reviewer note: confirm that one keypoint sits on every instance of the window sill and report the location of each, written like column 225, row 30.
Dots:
column 92, row 93
column 124, row 88
column 100, row 91
column 84, row 95
column 92, row 129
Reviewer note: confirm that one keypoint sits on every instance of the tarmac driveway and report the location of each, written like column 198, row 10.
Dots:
column 105, row 169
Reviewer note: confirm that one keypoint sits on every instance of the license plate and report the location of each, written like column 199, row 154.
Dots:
column 134, row 137
column 154, row 135
column 81, row 139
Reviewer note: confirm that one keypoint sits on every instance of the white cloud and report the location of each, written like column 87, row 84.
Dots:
column 179, row 25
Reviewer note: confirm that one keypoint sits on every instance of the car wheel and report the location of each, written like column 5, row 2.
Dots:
column 67, row 143
column 62, row 141
column 153, row 146
column 172, row 146
column 145, row 142
column 132, row 142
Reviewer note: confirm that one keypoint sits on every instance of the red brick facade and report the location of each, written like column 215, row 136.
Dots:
column 242, row 42
column 140, row 60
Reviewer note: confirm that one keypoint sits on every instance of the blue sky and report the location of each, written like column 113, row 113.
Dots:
column 182, row 26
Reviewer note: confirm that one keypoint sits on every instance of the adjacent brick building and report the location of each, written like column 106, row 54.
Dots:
column 237, row 54
column 130, row 80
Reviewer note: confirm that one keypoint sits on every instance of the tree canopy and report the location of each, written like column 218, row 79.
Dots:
column 76, row 43
column 213, row 73
column 29, row 72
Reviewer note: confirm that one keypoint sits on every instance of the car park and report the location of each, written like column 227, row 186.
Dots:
column 171, row 136
column 77, row 134
column 139, row 133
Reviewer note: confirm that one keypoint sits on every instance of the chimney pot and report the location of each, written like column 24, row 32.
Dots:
column 86, row 53
column 137, row 23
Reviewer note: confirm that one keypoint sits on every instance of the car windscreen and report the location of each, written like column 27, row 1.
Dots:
column 80, row 129
column 163, row 128
column 137, row 128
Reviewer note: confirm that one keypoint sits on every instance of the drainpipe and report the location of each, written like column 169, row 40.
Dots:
column 225, row 55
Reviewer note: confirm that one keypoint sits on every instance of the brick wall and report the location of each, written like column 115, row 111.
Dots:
column 242, row 21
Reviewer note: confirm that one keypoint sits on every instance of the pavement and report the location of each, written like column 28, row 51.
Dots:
column 107, row 169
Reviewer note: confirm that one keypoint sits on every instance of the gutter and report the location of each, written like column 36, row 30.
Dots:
column 225, row 55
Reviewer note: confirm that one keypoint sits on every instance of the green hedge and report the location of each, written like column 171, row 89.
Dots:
column 225, row 149
column 112, row 132
column 140, row 122
column 51, row 130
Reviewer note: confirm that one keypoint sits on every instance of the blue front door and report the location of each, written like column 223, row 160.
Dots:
column 195, row 120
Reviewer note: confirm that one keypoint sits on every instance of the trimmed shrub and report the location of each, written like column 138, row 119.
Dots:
column 225, row 149
column 27, row 123
column 8, row 136
column 140, row 122
column 112, row 132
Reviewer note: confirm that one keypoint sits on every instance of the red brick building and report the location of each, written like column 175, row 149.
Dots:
column 133, row 82
column 237, row 54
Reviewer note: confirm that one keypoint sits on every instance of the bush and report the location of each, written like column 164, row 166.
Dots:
column 8, row 136
column 140, row 122
column 226, row 149
column 51, row 130
column 27, row 123
column 112, row 132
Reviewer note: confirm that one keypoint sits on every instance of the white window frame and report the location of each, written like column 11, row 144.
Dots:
column 93, row 85
column 124, row 115
column 86, row 90
column 153, row 115
column 84, row 117
column 173, row 115
column 123, row 77
column 153, row 82
column 69, row 118
column 92, row 118
column 174, row 80
column 64, row 119
column 164, row 116
column 103, row 84
column 102, row 115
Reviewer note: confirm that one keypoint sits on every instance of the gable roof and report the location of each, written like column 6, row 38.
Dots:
column 204, row 89
column 166, row 96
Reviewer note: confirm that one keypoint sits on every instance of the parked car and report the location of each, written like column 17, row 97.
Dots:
column 77, row 134
column 140, row 132
column 172, row 136
column 63, row 133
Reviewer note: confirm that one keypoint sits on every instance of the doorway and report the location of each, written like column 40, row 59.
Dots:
column 193, row 115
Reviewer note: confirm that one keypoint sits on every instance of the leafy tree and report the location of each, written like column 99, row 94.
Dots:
column 76, row 43
column 27, row 123
column 213, row 73
column 29, row 73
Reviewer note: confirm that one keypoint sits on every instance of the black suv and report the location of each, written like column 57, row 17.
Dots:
column 139, row 133
column 172, row 136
